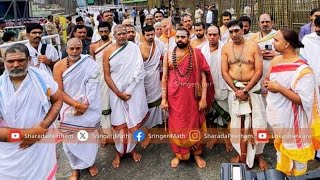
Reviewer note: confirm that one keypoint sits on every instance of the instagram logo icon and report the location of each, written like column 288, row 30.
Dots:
column 194, row 135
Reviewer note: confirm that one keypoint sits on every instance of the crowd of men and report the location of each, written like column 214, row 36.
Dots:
column 194, row 79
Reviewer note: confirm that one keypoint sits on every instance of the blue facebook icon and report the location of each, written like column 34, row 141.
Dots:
column 138, row 135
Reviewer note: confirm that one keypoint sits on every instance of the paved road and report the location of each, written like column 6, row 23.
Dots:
column 155, row 164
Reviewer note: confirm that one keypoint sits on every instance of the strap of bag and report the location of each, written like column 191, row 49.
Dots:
column 43, row 49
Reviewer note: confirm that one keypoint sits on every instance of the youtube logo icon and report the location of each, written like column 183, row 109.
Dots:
column 14, row 136
column 262, row 136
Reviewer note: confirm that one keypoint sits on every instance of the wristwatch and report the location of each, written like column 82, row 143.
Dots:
column 245, row 91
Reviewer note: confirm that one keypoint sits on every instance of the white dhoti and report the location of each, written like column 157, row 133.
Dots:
column 311, row 54
column 225, row 37
column 152, row 84
column 292, row 122
column 22, row 109
column 105, row 104
column 220, row 86
column 81, row 82
column 127, row 72
column 255, row 118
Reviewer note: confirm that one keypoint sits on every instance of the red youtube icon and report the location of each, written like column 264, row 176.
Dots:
column 262, row 136
column 14, row 135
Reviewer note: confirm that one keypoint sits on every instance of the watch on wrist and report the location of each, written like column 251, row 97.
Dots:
column 245, row 92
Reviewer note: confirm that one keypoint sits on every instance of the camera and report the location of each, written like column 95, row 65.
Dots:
column 268, row 47
column 238, row 171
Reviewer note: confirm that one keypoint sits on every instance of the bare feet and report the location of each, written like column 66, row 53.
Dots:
column 116, row 161
column 200, row 162
column 263, row 165
column 93, row 170
column 75, row 175
column 145, row 143
column 103, row 142
column 228, row 145
column 211, row 143
column 175, row 162
column 136, row 156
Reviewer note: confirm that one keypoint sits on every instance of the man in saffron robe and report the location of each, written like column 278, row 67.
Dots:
column 183, row 70
column 168, row 34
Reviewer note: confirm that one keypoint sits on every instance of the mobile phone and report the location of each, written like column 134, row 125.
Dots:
column 268, row 47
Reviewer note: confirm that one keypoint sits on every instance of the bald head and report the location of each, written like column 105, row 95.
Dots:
column 119, row 27
column 74, row 48
column 149, row 20
column 126, row 22
column 149, row 16
column 74, row 41
column 166, row 26
column 165, row 21
column 213, row 29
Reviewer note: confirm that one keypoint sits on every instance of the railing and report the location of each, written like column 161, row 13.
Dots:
column 103, row 8
column 44, row 39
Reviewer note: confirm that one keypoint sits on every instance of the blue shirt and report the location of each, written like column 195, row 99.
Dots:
column 304, row 30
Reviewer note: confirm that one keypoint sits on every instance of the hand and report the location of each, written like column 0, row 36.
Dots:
column 81, row 109
column 124, row 96
column 35, row 131
column 202, row 105
column 241, row 95
column 43, row 59
column 164, row 104
column 268, row 54
column 272, row 86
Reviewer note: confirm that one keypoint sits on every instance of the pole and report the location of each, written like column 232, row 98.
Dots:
column 15, row 12
column 238, row 9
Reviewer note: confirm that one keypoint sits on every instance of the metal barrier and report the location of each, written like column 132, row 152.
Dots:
column 103, row 8
column 16, row 29
column 44, row 39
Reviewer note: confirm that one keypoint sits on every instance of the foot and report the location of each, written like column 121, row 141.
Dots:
column 175, row 162
column 145, row 143
column 228, row 145
column 200, row 162
column 93, row 170
column 116, row 161
column 136, row 156
column 263, row 165
column 103, row 142
column 74, row 175
column 211, row 143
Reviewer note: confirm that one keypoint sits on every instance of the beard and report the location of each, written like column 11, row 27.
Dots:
column 131, row 38
column 104, row 37
column 74, row 58
column 17, row 72
column 318, row 33
column 199, row 36
column 182, row 45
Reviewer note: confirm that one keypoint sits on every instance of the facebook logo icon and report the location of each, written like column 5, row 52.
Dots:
column 138, row 135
